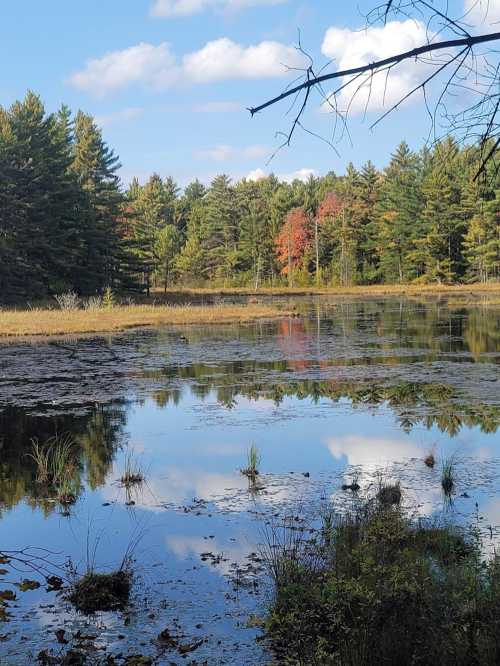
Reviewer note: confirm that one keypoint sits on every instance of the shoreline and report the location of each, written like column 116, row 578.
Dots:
column 359, row 290
column 171, row 308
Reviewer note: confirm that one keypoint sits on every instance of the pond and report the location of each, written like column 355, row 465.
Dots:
column 348, row 390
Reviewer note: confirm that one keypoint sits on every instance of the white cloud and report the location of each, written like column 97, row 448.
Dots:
column 301, row 174
column 169, row 8
column 369, row 452
column 351, row 48
column 157, row 68
column 153, row 66
column 218, row 107
column 223, row 153
column 118, row 117
column 187, row 546
column 256, row 174
column 481, row 13
column 224, row 59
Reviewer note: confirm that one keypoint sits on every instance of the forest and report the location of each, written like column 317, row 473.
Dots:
column 67, row 223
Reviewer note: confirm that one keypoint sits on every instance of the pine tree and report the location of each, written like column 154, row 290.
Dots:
column 220, row 233
column 105, row 261
column 367, row 258
column 398, row 213
column 43, row 178
column 443, row 225
column 150, row 212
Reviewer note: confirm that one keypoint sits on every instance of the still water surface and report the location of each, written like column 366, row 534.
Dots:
column 349, row 389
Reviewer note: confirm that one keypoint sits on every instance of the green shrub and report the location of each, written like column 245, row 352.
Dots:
column 374, row 587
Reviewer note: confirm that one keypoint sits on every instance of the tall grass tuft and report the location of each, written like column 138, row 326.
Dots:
column 448, row 475
column 40, row 453
column 133, row 473
column 55, row 462
column 253, row 462
column 389, row 494
column 93, row 303
column 68, row 301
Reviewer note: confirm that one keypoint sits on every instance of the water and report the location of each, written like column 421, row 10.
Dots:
column 349, row 389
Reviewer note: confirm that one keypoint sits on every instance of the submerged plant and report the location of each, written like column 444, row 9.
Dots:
column 253, row 462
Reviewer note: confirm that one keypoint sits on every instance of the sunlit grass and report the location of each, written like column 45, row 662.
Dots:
column 44, row 321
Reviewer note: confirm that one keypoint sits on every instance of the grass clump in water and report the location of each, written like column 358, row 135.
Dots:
column 448, row 476
column 56, row 466
column 389, row 493
column 374, row 586
column 96, row 592
column 430, row 459
column 133, row 473
column 253, row 463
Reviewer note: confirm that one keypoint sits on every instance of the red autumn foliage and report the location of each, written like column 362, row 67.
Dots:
column 294, row 239
column 330, row 207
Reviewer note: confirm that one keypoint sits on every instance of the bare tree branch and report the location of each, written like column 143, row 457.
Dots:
column 374, row 67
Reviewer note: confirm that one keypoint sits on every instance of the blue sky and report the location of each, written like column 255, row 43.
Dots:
column 169, row 80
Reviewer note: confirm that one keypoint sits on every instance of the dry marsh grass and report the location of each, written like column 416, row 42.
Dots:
column 46, row 322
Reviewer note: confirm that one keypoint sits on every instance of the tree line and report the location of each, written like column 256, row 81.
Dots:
column 66, row 223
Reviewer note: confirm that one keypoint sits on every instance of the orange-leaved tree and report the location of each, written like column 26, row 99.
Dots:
column 293, row 241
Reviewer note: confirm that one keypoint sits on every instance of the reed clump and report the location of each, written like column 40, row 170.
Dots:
column 389, row 494
column 253, row 462
column 133, row 472
column 57, row 466
column 448, row 475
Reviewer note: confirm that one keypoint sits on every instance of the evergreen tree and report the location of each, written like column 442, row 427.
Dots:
column 104, row 261
column 440, row 248
column 220, row 230
column 398, row 213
